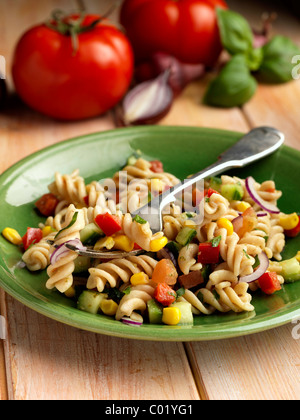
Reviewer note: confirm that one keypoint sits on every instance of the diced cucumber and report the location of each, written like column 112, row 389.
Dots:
column 233, row 192
column 186, row 313
column 82, row 264
column 215, row 183
column 90, row 301
column 185, row 236
column 90, row 234
column 155, row 312
column 290, row 270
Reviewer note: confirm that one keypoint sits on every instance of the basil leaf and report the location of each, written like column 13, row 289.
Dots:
column 216, row 241
column 236, row 33
column 139, row 219
column 254, row 58
column 74, row 219
column 180, row 292
column 277, row 65
column 234, row 86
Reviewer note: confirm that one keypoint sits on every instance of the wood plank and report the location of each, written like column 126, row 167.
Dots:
column 49, row 360
column 3, row 381
column 189, row 110
column 263, row 366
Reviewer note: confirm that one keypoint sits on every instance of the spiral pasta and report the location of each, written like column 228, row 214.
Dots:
column 119, row 269
column 37, row 257
column 136, row 300
column 61, row 272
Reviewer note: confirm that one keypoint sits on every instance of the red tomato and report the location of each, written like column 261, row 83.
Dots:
column 55, row 77
column 292, row 233
column 32, row 236
column 47, row 204
column 157, row 166
column 185, row 29
column 164, row 294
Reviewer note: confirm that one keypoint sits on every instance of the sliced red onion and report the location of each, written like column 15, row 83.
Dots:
column 265, row 205
column 148, row 102
column 261, row 214
column 129, row 321
column 238, row 223
column 261, row 269
column 63, row 250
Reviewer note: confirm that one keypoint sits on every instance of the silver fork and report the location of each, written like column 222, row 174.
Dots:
column 257, row 144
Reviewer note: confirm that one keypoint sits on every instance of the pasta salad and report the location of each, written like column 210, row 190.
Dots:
column 211, row 256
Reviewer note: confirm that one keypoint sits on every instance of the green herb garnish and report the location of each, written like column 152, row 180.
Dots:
column 216, row 241
column 139, row 219
column 73, row 221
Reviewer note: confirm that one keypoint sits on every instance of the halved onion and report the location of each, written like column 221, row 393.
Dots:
column 148, row 102
column 261, row 269
column 63, row 250
column 265, row 205
column 129, row 321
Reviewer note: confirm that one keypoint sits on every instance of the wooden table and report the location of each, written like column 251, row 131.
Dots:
column 42, row 359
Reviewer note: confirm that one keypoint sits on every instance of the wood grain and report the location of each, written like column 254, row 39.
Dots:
column 263, row 366
column 49, row 360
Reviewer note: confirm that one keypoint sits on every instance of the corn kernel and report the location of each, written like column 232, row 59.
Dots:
column 12, row 236
column 171, row 316
column 47, row 230
column 242, row 206
column 109, row 307
column 158, row 244
column 157, row 185
column 139, row 278
column 298, row 256
column 226, row 224
column 288, row 221
column 70, row 293
column 123, row 243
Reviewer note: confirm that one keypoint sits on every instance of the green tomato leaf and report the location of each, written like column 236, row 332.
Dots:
column 236, row 33
column 234, row 86
column 277, row 64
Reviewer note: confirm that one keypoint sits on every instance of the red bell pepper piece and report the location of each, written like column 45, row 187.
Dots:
column 292, row 233
column 208, row 254
column 47, row 204
column 269, row 283
column 32, row 236
column 108, row 223
column 164, row 294
column 210, row 192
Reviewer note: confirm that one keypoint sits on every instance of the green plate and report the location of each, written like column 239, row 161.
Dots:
column 183, row 151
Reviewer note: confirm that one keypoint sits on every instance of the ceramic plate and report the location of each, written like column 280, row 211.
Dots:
column 183, row 151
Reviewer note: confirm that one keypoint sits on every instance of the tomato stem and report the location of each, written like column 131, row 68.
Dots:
column 73, row 25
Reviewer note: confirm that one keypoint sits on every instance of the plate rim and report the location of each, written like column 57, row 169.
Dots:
column 186, row 333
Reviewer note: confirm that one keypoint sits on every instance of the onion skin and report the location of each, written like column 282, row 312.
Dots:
column 250, row 181
column 148, row 102
column 130, row 322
